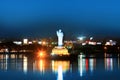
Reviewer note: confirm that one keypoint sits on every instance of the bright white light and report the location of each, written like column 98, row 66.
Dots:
column 109, row 64
column 30, row 42
column 39, row 42
column 80, row 38
column 25, row 41
column 60, row 37
column 17, row 42
column 25, row 65
column 83, row 44
column 92, row 43
column 91, row 65
column 107, row 43
column 6, row 62
column 60, row 73
column 98, row 43
column 111, row 40
column 91, row 38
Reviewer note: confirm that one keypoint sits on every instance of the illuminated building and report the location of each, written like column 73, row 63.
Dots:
column 17, row 42
column 111, row 43
column 25, row 41
column 59, row 51
column 30, row 42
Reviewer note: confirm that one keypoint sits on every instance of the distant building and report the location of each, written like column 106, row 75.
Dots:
column 25, row 41
column 17, row 42
column 111, row 43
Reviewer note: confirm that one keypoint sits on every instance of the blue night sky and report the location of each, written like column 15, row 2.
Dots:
column 41, row 18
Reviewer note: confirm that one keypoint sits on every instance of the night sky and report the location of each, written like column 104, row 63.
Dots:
column 41, row 18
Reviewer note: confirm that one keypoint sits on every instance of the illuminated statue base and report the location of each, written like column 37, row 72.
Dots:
column 59, row 51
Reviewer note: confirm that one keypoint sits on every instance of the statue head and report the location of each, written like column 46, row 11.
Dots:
column 59, row 32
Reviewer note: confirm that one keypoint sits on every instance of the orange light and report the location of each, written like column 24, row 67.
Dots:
column 64, row 64
column 44, row 43
column 41, row 54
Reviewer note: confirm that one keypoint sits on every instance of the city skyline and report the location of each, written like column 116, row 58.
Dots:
column 20, row 19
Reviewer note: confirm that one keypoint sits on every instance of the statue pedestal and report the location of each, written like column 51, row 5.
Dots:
column 59, row 51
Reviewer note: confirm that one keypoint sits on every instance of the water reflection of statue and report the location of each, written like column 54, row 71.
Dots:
column 60, row 73
column 60, row 37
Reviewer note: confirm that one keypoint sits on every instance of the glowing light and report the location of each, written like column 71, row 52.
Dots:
column 92, row 43
column 105, row 47
column 107, row 43
column 98, row 43
column 91, row 61
column 6, row 50
column 13, row 56
column 111, row 43
column 25, row 41
column 41, row 54
column 83, row 44
column 39, row 42
column 80, row 38
column 60, row 37
column 6, row 65
column 118, row 47
column 30, row 42
column 87, row 64
column 25, row 65
column 44, row 43
column 60, row 73
column 81, row 65
column 59, row 51
column 91, row 38
column 109, row 64
column 41, row 65
column 17, row 42
column 64, row 64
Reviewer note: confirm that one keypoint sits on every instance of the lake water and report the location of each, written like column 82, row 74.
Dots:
column 23, row 67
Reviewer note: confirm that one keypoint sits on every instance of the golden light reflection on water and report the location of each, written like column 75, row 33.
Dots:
column 41, row 65
column 13, row 56
column 25, row 63
column 65, row 65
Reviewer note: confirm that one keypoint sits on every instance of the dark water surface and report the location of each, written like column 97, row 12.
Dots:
column 23, row 67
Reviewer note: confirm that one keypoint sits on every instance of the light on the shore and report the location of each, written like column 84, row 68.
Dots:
column 41, row 54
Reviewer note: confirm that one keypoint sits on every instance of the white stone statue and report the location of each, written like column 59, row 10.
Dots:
column 60, row 37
